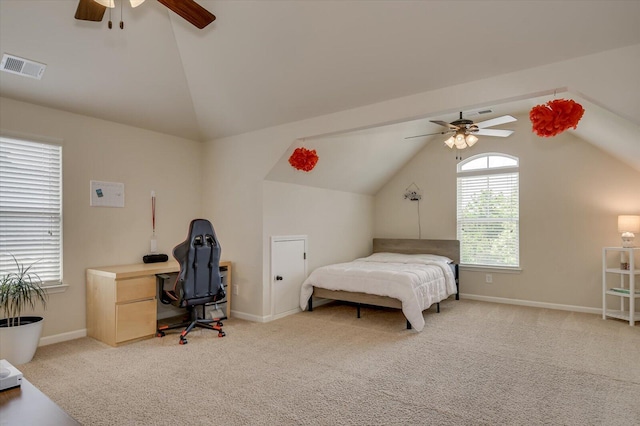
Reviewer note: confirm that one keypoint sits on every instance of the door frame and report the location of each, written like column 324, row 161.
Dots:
column 272, row 278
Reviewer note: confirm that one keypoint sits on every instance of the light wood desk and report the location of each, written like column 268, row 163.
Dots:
column 26, row 405
column 122, row 303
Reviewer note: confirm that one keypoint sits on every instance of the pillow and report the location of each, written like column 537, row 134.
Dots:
column 385, row 258
column 430, row 258
column 405, row 258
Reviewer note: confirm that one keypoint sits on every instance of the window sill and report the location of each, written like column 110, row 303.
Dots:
column 494, row 269
column 54, row 289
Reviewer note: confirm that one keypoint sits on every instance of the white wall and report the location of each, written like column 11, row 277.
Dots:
column 570, row 195
column 99, row 150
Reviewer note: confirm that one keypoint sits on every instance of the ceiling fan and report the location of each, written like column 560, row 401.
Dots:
column 465, row 132
column 93, row 10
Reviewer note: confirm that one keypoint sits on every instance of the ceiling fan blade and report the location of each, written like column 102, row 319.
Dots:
column 191, row 11
column 445, row 124
column 496, row 121
column 429, row 134
column 493, row 132
column 89, row 10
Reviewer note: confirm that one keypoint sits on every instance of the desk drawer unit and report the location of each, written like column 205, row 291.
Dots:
column 135, row 320
column 136, row 289
column 120, row 309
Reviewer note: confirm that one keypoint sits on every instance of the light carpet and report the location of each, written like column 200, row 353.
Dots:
column 475, row 363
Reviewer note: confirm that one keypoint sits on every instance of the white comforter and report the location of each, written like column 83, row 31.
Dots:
column 418, row 281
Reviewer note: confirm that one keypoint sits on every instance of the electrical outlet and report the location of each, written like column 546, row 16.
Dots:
column 488, row 278
column 236, row 290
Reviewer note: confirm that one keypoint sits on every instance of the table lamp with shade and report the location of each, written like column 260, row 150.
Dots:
column 627, row 226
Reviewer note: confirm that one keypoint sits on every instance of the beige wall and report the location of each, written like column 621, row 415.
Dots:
column 570, row 195
column 224, row 181
column 236, row 167
column 247, row 211
column 338, row 225
column 92, row 236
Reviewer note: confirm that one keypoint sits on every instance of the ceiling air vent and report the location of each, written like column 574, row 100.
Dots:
column 477, row 112
column 21, row 66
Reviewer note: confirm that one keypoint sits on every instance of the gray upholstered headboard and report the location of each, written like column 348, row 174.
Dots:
column 449, row 248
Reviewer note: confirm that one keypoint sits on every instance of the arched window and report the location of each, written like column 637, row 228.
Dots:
column 488, row 210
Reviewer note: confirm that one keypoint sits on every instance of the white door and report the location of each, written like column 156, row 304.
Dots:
column 288, row 271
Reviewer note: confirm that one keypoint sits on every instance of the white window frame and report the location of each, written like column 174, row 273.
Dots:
column 504, row 178
column 31, row 208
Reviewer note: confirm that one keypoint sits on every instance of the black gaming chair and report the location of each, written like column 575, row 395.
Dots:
column 199, row 281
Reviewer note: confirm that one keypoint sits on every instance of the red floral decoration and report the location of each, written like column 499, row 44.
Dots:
column 303, row 159
column 555, row 117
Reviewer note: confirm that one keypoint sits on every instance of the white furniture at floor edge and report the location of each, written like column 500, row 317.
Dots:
column 627, row 289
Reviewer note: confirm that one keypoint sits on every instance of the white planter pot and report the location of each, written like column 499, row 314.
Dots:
column 18, row 344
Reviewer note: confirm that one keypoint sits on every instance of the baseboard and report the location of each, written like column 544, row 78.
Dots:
column 249, row 317
column 532, row 304
column 267, row 318
column 62, row 337
column 284, row 314
column 71, row 335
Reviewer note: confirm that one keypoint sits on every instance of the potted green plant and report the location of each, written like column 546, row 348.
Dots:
column 20, row 335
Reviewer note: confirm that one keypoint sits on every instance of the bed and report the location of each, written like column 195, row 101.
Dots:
column 408, row 274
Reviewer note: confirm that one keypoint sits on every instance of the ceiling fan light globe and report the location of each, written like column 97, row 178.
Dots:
column 106, row 3
column 449, row 142
column 459, row 138
column 461, row 144
column 136, row 3
column 471, row 140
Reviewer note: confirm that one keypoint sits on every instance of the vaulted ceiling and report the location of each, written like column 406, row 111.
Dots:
column 264, row 63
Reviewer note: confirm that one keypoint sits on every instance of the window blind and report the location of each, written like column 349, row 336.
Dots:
column 488, row 219
column 31, row 208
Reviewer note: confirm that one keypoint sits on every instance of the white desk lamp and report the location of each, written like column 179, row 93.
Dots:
column 627, row 225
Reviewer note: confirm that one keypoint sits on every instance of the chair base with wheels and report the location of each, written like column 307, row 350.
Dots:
column 194, row 321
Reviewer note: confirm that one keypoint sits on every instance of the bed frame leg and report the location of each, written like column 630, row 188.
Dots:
column 358, row 308
column 310, row 304
column 408, row 325
column 457, row 273
column 438, row 307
